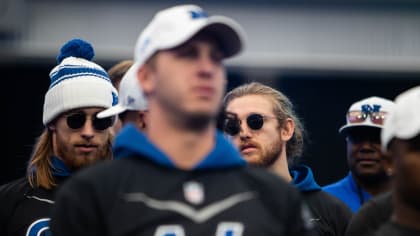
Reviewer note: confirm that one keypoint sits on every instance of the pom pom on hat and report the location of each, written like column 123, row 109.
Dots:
column 76, row 82
column 76, row 48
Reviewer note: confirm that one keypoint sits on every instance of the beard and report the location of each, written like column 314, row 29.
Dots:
column 75, row 160
column 267, row 156
column 198, row 121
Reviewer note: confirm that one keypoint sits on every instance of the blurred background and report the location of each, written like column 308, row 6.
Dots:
column 323, row 54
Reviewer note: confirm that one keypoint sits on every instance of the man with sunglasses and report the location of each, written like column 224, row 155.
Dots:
column 183, row 177
column 367, row 176
column 263, row 125
column 73, row 138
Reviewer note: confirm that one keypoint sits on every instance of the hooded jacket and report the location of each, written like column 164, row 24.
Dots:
column 142, row 192
column 26, row 210
column 329, row 215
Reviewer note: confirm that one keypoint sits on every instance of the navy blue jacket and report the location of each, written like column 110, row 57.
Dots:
column 143, row 193
column 26, row 210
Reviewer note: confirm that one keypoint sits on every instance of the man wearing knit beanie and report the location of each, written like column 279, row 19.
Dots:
column 181, row 177
column 73, row 138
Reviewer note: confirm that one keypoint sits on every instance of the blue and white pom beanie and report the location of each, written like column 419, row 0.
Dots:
column 77, row 82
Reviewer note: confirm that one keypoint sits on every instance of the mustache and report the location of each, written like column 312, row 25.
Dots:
column 248, row 143
column 86, row 144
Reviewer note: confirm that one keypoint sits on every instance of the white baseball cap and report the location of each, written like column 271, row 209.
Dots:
column 367, row 105
column 131, row 96
column 174, row 26
column 403, row 121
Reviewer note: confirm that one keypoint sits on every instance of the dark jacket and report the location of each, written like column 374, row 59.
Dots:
column 26, row 210
column 392, row 229
column 329, row 215
column 143, row 193
column 371, row 215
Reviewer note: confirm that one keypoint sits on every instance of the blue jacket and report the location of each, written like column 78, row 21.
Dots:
column 132, row 142
column 303, row 179
column 349, row 192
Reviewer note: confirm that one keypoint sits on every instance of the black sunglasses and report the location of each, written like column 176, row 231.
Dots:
column 77, row 120
column 232, row 124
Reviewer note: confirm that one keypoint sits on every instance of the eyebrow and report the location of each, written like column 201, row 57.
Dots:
column 228, row 113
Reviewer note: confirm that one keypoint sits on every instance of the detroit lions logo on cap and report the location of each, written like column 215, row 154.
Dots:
column 130, row 100
column 198, row 14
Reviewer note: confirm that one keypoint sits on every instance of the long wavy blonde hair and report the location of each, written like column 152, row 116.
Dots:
column 39, row 170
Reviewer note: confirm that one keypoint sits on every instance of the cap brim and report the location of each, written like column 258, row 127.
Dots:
column 228, row 33
column 112, row 111
column 344, row 129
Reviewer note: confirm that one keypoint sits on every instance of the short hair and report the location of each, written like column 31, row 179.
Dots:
column 117, row 71
column 282, row 108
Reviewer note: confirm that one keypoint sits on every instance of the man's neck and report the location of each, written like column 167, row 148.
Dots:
column 185, row 147
column 374, row 189
column 280, row 166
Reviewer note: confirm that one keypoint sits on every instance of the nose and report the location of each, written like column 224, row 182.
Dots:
column 366, row 146
column 207, row 66
column 88, row 131
column 244, row 132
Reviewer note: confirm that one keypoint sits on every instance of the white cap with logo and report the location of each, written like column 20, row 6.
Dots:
column 367, row 105
column 174, row 26
column 131, row 96
column 403, row 121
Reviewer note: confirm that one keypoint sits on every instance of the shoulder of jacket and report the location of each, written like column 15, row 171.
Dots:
column 15, row 186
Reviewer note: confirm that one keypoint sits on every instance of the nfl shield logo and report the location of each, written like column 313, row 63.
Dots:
column 194, row 192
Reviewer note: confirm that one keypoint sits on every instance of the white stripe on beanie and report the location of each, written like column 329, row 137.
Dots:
column 77, row 82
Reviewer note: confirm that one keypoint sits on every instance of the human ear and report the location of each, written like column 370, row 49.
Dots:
column 141, row 120
column 388, row 162
column 146, row 79
column 287, row 130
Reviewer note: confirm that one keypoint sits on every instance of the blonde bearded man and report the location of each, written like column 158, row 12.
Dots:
column 263, row 125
